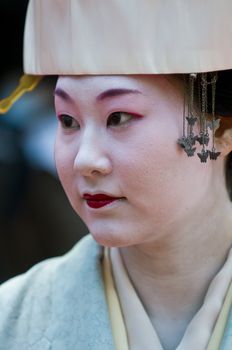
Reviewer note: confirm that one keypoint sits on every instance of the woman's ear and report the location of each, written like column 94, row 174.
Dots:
column 223, row 136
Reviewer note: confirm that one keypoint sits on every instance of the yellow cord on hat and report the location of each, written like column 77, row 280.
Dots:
column 26, row 83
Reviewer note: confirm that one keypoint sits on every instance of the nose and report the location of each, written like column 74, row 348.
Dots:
column 92, row 158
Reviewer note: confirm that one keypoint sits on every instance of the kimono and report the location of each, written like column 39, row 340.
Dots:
column 62, row 304
column 59, row 304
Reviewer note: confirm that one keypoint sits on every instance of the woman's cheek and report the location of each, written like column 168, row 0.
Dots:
column 67, row 182
column 63, row 165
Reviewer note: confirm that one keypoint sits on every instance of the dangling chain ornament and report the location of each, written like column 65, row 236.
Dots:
column 188, row 139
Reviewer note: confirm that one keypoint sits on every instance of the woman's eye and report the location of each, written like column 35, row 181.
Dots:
column 118, row 118
column 68, row 122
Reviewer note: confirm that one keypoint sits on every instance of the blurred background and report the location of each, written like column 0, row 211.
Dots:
column 36, row 219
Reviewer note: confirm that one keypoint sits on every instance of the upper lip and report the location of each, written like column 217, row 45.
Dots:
column 98, row 196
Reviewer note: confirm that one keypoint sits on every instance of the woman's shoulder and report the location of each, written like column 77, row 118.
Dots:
column 43, row 274
column 41, row 306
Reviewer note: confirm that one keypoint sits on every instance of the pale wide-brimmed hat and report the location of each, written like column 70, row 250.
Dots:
column 78, row 37
column 97, row 37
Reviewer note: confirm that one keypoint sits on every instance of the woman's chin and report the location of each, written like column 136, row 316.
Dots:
column 110, row 239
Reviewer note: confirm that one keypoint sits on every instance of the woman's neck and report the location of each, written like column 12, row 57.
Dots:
column 172, row 275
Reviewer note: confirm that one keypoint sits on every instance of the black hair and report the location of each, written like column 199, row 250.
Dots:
column 223, row 107
column 223, row 100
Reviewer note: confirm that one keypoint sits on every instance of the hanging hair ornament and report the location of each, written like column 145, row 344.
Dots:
column 213, row 154
column 187, row 142
column 204, row 124
column 203, row 138
column 188, row 139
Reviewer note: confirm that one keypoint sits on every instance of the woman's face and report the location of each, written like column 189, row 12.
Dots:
column 117, row 135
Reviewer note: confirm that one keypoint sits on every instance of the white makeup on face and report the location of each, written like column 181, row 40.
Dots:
column 117, row 136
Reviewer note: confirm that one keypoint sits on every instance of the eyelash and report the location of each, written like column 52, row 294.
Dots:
column 65, row 118
column 113, row 118
column 67, row 121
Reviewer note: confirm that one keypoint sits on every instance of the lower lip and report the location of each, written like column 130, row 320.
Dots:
column 99, row 204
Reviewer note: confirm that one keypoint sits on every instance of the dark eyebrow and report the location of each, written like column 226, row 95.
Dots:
column 103, row 95
column 64, row 95
column 116, row 92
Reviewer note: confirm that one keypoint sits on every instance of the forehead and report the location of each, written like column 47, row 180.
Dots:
column 105, row 81
column 88, row 87
column 114, row 81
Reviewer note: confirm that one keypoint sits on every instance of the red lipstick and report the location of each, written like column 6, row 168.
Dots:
column 98, row 200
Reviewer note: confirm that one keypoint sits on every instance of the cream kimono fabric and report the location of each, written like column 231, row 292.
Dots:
column 60, row 304
column 208, row 330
